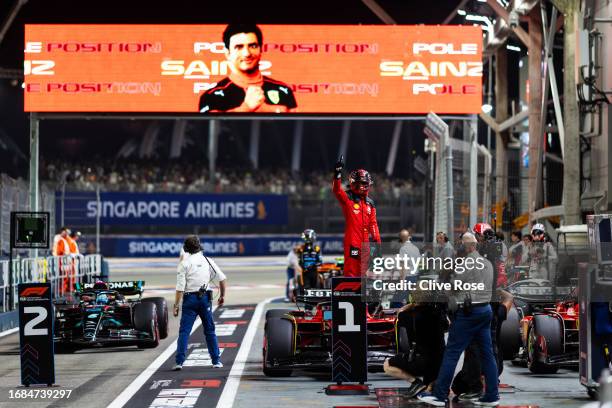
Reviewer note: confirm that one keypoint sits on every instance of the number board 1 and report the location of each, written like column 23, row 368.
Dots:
column 36, row 334
column 349, row 334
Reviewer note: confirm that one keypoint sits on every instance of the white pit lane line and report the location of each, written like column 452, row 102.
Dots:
column 228, row 395
column 142, row 378
column 233, row 381
column 9, row 331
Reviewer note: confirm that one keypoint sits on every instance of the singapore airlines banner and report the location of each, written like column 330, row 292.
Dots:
column 174, row 209
column 297, row 69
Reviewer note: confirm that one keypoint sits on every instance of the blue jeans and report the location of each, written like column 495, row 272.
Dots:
column 192, row 308
column 463, row 330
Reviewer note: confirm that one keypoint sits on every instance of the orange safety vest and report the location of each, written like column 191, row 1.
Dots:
column 61, row 247
column 72, row 246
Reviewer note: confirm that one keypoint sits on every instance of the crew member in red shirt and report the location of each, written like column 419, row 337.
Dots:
column 360, row 217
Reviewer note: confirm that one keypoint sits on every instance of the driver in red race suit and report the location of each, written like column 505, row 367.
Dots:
column 359, row 214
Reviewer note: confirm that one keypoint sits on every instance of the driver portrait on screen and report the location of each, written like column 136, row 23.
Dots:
column 246, row 89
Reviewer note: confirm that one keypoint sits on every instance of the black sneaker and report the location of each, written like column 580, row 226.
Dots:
column 415, row 388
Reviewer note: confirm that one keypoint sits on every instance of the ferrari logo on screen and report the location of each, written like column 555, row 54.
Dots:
column 298, row 69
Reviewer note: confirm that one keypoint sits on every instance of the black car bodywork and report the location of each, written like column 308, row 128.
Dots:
column 112, row 315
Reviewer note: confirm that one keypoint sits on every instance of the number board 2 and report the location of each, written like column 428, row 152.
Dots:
column 36, row 334
column 349, row 334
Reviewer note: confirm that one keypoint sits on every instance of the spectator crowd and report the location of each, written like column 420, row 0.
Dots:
column 193, row 177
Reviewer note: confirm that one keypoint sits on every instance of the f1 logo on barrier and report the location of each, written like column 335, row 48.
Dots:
column 33, row 291
column 36, row 334
column 348, row 286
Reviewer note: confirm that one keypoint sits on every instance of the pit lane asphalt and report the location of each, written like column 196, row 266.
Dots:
column 97, row 376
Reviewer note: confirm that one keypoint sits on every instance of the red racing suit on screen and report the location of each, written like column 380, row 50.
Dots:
column 360, row 222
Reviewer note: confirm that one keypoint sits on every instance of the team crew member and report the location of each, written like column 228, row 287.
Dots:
column 472, row 322
column 293, row 271
column 542, row 255
column 60, row 243
column 411, row 251
column 246, row 89
column 194, row 275
column 443, row 250
column 517, row 249
column 467, row 385
column 425, row 323
column 359, row 216
column 73, row 242
column 309, row 255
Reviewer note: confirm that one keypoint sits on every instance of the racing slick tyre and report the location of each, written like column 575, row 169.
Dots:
column 278, row 344
column 544, row 340
column 276, row 313
column 162, row 314
column 145, row 319
column 403, row 342
column 510, row 335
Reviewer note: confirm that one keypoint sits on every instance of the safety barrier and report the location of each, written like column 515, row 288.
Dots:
column 62, row 272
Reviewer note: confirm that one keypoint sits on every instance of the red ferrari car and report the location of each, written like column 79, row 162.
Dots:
column 550, row 338
column 302, row 338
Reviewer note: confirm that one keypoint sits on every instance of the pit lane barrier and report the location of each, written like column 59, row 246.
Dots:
column 61, row 272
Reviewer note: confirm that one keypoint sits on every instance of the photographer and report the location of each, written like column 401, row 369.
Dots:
column 467, row 384
column 472, row 322
column 194, row 275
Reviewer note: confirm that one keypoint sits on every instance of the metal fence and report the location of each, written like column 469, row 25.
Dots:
column 471, row 186
column 61, row 272
column 14, row 196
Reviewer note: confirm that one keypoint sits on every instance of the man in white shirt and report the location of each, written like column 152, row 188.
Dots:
column 194, row 275
column 293, row 271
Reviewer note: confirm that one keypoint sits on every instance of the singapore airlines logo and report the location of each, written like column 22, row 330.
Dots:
column 261, row 211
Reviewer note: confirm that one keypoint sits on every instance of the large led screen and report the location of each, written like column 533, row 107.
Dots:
column 242, row 69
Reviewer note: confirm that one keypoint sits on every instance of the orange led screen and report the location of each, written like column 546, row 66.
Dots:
column 311, row 69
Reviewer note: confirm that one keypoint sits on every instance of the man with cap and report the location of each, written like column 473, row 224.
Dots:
column 472, row 322
column 542, row 255
column 194, row 275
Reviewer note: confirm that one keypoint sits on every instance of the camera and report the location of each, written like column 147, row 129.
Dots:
column 467, row 305
column 513, row 19
column 203, row 291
